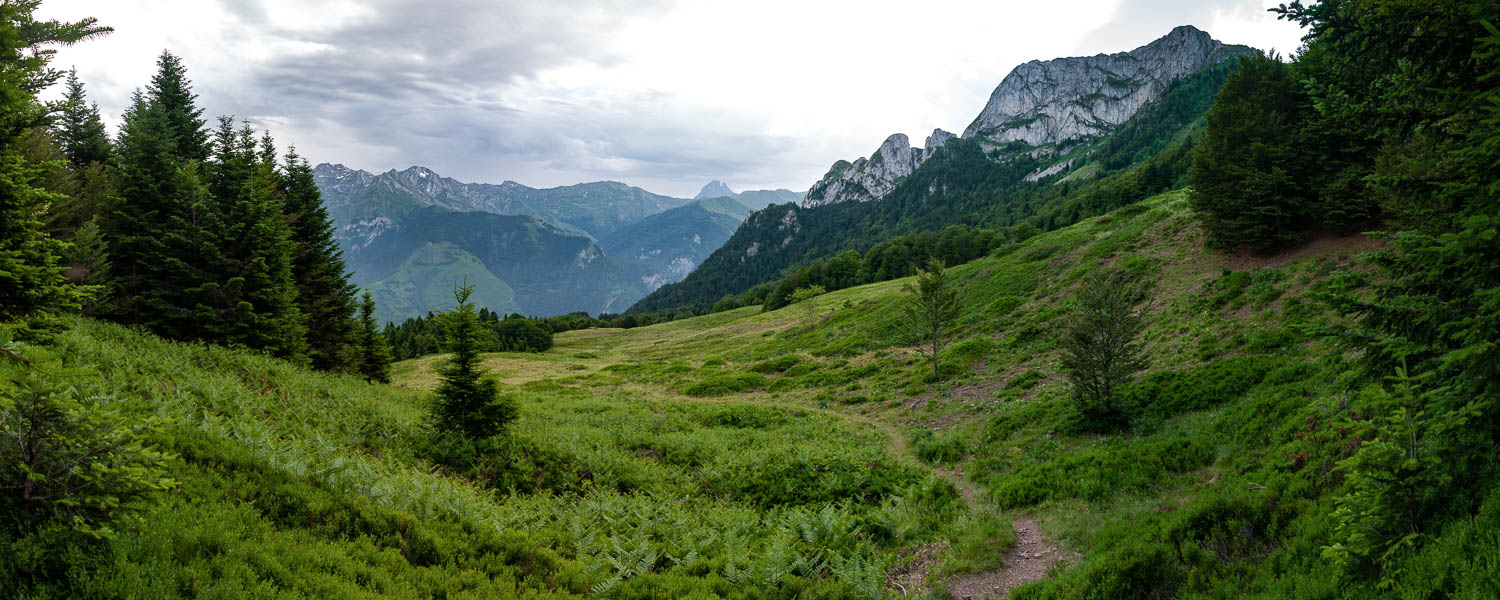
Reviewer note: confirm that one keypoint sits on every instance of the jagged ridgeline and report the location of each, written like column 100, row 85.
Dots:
column 1058, row 140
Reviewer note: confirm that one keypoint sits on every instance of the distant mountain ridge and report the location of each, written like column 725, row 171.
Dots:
column 752, row 199
column 1042, row 105
column 408, row 235
column 593, row 209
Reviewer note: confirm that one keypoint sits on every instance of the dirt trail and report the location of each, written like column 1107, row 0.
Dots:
column 1026, row 562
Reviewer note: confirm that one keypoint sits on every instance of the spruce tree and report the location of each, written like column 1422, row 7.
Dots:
column 159, row 252
column 260, row 308
column 29, row 278
column 932, row 305
column 173, row 93
column 324, row 294
column 1101, row 346
column 468, row 400
column 374, row 360
column 79, row 131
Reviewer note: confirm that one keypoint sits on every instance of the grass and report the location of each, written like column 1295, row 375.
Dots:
column 744, row 454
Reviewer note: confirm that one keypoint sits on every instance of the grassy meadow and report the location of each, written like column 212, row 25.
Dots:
column 751, row 455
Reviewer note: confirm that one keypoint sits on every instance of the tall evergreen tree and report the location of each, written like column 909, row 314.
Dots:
column 79, row 131
column 468, row 400
column 324, row 294
column 260, row 298
column 374, row 354
column 173, row 93
column 29, row 278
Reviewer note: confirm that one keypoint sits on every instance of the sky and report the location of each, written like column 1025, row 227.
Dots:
column 660, row 94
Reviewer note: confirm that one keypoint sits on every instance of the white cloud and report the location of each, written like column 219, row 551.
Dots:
column 658, row 94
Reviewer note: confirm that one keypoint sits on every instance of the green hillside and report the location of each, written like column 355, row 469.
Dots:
column 425, row 281
column 744, row 455
column 677, row 240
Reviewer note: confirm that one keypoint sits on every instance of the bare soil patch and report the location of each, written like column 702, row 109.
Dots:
column 1026, row 562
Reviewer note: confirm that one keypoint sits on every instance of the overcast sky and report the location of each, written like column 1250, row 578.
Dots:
column 661, row 94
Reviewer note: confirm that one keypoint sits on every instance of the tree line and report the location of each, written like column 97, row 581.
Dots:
column 191, row 232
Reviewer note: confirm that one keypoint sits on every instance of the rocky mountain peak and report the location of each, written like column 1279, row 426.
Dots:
column 937, row 139
column 1047, row 102
column 715, row 189
column 870, row 178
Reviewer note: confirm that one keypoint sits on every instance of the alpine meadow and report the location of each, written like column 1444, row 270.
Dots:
column 1193, row 319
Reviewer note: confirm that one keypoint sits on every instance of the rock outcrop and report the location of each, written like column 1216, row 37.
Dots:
column 1040, row 103
column 867, row 179
column 1046, row 102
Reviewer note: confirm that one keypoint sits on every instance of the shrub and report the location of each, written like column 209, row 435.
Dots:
column 934, row 449
column 723, row 385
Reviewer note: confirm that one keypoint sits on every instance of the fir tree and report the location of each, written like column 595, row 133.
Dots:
column 79, row 131
column 29, row 278
column 374, row 353
column 1101, row 347
column 324, row 294
column 933, row 303
column 261, row 297
column 171, row 91
column 156, row 228
column 468, row 400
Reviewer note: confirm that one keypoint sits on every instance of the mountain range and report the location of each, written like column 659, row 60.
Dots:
column 1079, row 120
column 409, row 235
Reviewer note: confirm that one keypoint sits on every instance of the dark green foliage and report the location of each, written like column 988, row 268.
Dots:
column 794, row 479
column 29, row 278
column 938, row 450
column 520, row 334
column 424, row 335
column 468, row 401
column 372, row 354
column 1164, row 394
column 324, row 295
column 1101, row 350
column 723, row 385
column 79, row 131
column 1098, row 474
column 173, row 94
column 67, row 460
column 930, row 309
column 1250, row 170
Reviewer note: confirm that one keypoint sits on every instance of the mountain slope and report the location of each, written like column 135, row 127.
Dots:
column 965, row 182
column 549, row 271
column 676, row 241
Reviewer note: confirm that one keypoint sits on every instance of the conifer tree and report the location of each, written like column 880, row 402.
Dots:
column 374, row 353
column 156, row 228
column 324, row 294
column 1101, row 346
column 260, row 308
column 29, row 278
column 79, row 131
column 932, row 305
column 173, row 93
column 468, row 400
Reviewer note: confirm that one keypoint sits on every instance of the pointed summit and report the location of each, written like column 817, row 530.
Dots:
column 715, row 189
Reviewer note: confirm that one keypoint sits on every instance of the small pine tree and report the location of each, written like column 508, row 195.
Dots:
column 808, row 298
column 468, row 400
column 1100, row 343
column 374, row 353
column 932, row 305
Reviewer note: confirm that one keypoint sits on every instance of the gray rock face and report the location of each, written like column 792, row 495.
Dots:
column 1040, row 103
column 868, row 179
column 1058, row 100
